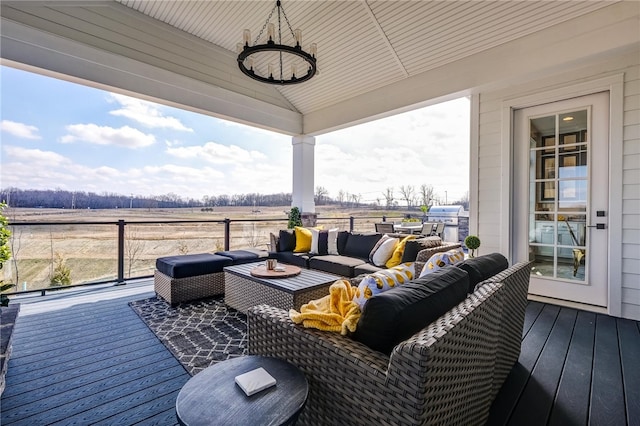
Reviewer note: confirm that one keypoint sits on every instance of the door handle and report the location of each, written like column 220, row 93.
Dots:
column 598, row 226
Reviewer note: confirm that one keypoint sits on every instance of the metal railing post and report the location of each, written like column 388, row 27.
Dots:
column 227, row 234
column 352, row 221
column 120, row 280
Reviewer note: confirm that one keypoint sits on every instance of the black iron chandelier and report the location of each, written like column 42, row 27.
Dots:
column 267, row 62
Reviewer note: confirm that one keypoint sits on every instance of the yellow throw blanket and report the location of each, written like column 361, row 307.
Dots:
column 335, row 312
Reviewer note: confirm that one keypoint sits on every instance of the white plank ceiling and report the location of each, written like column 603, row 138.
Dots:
column 364, row 45
column 375, row 57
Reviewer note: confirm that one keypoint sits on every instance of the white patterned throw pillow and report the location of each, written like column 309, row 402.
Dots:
column 384, row 280
column 440, row 260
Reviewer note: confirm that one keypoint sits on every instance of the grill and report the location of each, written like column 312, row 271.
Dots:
column 447, row 214
column 450, row 216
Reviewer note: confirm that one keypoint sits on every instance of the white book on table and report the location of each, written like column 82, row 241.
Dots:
column 255, row 380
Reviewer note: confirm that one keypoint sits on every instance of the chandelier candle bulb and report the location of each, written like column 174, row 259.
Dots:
column 271, row 31
column 313, row 49
column 275, row 51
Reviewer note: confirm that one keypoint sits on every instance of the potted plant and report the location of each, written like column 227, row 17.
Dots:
column 424, row 210
column 472, row 243
column 294, row 218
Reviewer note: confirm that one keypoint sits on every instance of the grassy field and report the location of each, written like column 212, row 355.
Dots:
column 90, row 251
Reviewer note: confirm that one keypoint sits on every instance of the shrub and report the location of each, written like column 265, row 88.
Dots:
column 294, row 218
column 61, row 272
column 472, row 243
column 5, row 252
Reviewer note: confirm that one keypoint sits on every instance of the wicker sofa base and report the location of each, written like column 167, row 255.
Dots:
column 178, row 290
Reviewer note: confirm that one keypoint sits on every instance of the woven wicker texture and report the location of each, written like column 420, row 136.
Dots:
column 424, row 255
column 442, row 375
column 178, row 290
column 242, row 293
column 516, row 282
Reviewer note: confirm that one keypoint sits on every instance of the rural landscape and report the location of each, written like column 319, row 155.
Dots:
column 79, row 246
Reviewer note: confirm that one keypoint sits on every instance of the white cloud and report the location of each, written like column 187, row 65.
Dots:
column 126, row 136
column 20, row 130
column 146, row 113
column 428, row 146
column 36, row 158
column 216, row 153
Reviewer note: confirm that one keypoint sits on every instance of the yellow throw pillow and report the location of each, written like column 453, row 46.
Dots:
column 303, row 239
column 396, row 257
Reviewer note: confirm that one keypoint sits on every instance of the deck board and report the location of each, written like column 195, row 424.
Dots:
column 538, row 394
column 89, row 359
column 629, row 335
column 572, row 397
column 607, row 395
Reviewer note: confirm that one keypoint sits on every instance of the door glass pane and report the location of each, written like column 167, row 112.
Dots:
column 558, row 194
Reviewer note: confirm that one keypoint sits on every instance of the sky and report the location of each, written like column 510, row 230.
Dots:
column 56, row 134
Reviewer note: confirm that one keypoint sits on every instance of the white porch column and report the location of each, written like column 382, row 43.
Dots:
column 303, row 160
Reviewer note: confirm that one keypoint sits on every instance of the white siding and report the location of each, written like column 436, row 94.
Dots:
column 492, row 224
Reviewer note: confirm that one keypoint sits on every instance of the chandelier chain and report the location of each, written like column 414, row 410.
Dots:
column 280, row 37
column 288, row 23
column 275, row 44
column 265, row 25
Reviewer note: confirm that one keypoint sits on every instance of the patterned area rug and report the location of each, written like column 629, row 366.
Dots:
column 198, row 334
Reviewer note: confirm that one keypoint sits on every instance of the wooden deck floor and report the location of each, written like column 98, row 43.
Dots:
column 86, row 358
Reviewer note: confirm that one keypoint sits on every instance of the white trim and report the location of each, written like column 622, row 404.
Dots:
column 614, row 84
column 54, row 55
column 616, row 158
column 506, row 170
column 567, row 303
column 474, row 164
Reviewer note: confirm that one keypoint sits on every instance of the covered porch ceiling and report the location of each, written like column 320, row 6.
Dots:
column 376, row 58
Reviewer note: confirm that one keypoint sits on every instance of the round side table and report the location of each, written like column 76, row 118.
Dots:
column 212, row 396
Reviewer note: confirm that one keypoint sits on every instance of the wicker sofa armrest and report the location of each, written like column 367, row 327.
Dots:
column 446, row 371
column 424, row 255
column 441, row 375
column 340, row 371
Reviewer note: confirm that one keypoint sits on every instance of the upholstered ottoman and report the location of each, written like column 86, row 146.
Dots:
column 189, row 277
column 244, row 256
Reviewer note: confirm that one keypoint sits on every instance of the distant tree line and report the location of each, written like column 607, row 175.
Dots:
column 409, row 197
column 63, row 199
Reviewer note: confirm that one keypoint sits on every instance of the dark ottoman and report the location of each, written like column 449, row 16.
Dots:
column 180, row 279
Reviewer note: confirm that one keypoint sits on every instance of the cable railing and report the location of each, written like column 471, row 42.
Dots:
column 49, row 256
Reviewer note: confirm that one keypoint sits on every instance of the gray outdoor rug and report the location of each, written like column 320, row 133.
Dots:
column 198, row 334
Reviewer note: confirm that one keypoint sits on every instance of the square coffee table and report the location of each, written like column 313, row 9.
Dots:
column 242, row 290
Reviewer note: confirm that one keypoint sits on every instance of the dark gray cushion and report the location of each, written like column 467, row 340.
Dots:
column 366, row 268
column 297, row 259
column 243, row 256
column 413, row 247
column 343, row 237
column 360, row 245
column 286, row 240
column 395, row 315
column 334, row 264
column 191, row 265
column 483, row 267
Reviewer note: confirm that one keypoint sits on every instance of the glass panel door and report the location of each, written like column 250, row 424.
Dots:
column 558, row 181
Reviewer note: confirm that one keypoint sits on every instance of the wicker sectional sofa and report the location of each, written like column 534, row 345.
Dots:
column 447, row 373
column 353, row 253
